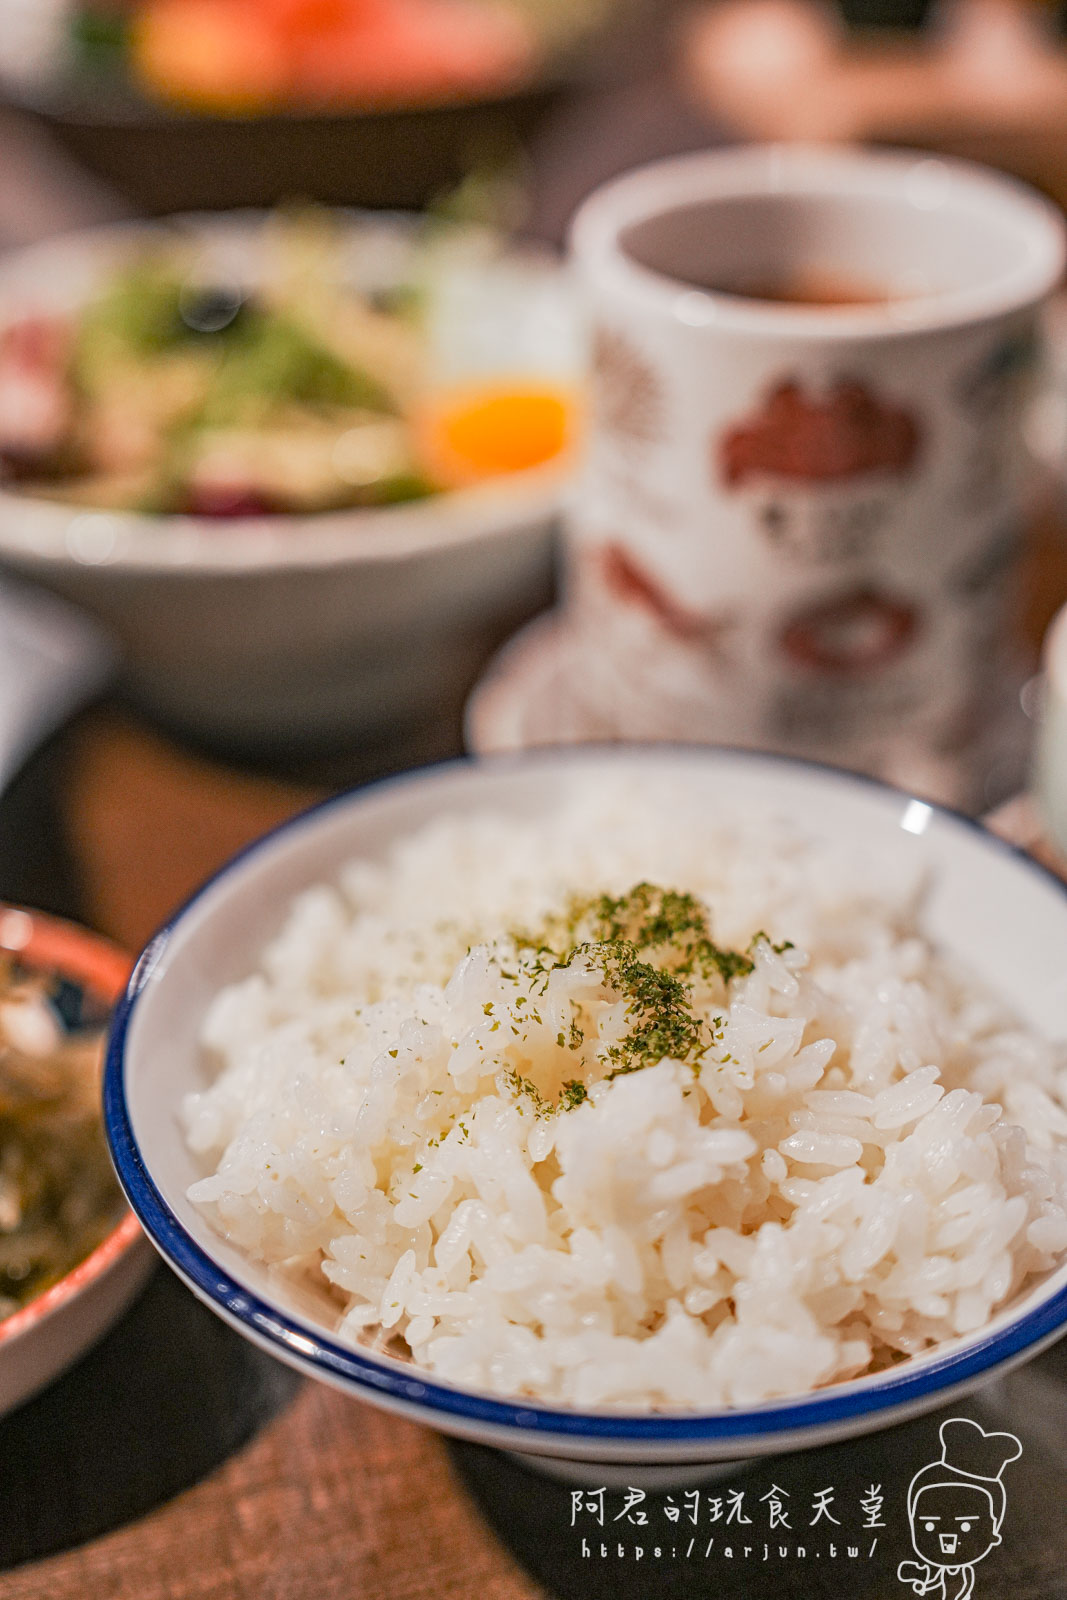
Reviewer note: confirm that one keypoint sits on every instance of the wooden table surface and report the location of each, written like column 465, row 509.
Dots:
column 331, row 1501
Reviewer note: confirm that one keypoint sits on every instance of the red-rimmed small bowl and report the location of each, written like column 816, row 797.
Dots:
column 48, row 1335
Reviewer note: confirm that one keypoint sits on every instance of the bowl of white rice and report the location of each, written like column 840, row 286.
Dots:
column 658, row 1107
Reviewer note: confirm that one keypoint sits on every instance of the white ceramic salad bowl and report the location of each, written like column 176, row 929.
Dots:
column 989, row 905
column 263, row 632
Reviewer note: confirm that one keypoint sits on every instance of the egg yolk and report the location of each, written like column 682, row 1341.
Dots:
column 479, row 433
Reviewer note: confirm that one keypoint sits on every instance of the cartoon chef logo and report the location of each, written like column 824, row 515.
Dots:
column 821, row 468
column 956, row 1506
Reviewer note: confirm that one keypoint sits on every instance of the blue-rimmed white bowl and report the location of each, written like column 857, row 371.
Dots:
column 989, row 905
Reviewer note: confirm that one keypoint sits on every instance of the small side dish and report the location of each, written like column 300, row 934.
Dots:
column 58, row 1195
column 72, row 1256
column 637, row 1105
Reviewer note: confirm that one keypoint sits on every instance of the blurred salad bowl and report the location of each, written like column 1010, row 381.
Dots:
column 305, row 470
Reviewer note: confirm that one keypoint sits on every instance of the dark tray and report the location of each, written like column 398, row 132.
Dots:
column 403, row 159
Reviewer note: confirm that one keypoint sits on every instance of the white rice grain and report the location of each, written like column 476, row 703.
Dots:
column 865, row 1162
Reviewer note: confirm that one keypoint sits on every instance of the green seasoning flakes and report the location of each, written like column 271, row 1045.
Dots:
column 664, row 1026
column 572, row 1094
column 670, row 920
column 525, row 1086
column 650, row 944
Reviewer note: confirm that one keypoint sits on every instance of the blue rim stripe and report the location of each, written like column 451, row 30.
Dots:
column 312, row 1349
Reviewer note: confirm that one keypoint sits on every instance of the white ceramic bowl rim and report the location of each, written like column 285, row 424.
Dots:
column 1015, row 1335
column 24, row 1322
column 820, row 172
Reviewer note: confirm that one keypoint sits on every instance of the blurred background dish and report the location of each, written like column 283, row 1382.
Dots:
column 284, row 601
column 71, row 1256
column 190, row 104
column 983, row 79
column 299, row 362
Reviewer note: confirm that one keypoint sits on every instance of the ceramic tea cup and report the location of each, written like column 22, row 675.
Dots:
column 799, row 519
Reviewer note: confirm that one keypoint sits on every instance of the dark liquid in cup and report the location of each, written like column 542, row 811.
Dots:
column 807, row 287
